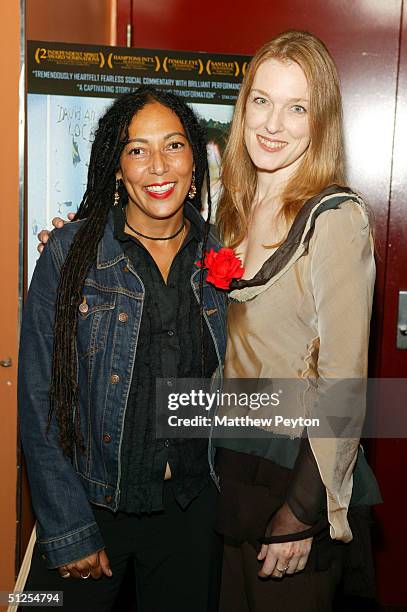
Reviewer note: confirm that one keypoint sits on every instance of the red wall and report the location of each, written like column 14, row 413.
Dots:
column 80, row 21
column 9, row 274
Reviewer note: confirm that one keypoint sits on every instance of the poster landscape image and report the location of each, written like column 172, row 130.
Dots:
column 69, row 89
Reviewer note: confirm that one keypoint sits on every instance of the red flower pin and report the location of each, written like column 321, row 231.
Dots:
column 223, row 266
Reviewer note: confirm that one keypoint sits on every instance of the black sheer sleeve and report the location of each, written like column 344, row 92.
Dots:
column 302, row 514
column 306, row 493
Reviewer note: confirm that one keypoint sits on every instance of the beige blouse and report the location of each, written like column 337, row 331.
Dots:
column 311, row 321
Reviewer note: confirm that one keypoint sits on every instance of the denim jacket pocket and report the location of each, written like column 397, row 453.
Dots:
column 94, row 314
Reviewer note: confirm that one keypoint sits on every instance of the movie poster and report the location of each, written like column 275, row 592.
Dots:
column 69, row 88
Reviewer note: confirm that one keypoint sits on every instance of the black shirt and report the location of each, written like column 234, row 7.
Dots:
column 168, row 346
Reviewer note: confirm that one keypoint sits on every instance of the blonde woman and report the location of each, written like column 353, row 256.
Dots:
column 301, row 312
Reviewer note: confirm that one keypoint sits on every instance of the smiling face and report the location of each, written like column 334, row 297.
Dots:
column 156, row 163
column 276, row 126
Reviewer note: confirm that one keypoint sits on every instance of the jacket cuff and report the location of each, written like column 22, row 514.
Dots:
column 71, row 547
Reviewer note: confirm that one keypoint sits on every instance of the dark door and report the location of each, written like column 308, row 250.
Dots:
column 368, row 40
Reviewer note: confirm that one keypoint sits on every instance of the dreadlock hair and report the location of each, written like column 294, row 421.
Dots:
column 110, row 139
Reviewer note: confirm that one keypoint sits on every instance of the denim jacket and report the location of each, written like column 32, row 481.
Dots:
column 61, row 489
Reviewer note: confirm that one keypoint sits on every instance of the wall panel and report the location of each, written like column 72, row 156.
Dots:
column 9, row 274
column 80, row 21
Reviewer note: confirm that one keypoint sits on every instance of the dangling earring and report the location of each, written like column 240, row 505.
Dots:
column 192, row 189
column 116, row 194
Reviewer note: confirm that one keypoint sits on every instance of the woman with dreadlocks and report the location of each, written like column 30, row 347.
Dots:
column 115, row 302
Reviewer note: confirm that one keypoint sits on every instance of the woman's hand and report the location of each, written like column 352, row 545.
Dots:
column 285, row 557
column 92, row 566
column 289, row 557
column 43, row 235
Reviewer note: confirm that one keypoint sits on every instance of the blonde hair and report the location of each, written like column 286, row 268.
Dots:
column 323, row 162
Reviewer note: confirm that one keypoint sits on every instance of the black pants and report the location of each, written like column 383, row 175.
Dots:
column 176, row 557
column 244, row 591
